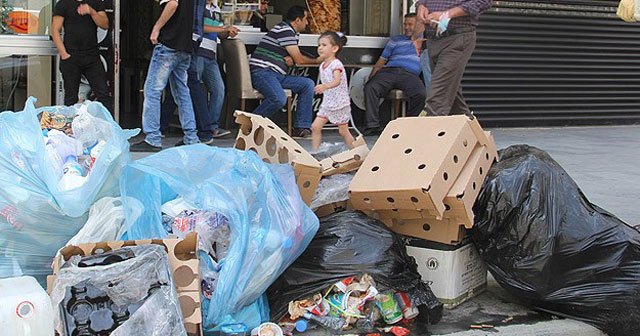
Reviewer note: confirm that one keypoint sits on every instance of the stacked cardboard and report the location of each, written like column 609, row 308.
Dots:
column 183, row 260
column 273, row 145
column 423, row 176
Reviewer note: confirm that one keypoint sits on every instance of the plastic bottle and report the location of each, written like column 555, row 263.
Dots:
column 72, row 174
column 25, row 308
column 331, row 322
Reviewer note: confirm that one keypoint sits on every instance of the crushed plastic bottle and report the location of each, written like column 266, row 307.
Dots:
column 331, row 322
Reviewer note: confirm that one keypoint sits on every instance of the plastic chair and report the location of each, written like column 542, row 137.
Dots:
column 238, row 85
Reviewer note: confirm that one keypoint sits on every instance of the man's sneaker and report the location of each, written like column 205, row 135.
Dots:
column 181, row 142
column 220, row 132
column 143, row 146
column 301, row 133
column 206, row 141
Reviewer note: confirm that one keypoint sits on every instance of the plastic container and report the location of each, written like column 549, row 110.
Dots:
column 269, row 329
column 25, row 308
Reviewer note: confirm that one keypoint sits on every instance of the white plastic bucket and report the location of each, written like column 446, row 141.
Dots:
column 25, row 308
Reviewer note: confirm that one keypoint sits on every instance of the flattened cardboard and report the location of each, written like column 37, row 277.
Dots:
column 455, row 275
column 273, row 145
column 414, row 164
column 346, row 161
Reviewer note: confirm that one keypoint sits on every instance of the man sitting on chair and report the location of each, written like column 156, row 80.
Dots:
column 397, row 68
column 269, row 64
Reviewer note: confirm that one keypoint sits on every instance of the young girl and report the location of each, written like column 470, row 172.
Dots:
column 336, row 104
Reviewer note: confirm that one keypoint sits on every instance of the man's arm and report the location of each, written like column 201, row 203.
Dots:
column 100, row 18
column 470, row 7
column 299, row 58
column 168, row 11
column 376, row 67
column 56, row 30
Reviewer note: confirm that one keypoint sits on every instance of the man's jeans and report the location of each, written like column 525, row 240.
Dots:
column 426, row 69
column 207, row 111
column 167, row 65
column 272, row 84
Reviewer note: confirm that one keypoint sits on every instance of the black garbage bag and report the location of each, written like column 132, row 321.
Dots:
column 348, row 244
column 545, row 243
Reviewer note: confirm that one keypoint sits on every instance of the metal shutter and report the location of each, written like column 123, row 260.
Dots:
column 554, row 63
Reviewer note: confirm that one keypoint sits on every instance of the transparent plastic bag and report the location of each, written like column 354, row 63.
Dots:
column 270, row 224
column 143, row 282
column 36, row 217
column 105, row 222
column 331, row 189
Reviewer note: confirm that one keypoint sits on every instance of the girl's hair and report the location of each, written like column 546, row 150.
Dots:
column 336, row 38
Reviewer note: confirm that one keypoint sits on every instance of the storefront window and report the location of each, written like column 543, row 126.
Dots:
column 22, row 76
column 31, row 17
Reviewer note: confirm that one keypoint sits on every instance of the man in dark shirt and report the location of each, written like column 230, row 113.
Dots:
column 172, row 35
column 79, row 51
column 269, row 65
column 450, row 51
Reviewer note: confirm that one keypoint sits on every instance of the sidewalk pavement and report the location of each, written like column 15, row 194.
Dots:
column 603, row 160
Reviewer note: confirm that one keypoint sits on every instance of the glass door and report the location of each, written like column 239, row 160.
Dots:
column 27, row 54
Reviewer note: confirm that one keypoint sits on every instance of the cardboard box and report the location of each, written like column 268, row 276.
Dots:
column 445, row 231
column 462, row 195
column 346, row 161
column 454, row 273
column 332, row 208
column 273, row 145
column 414, row 164
column 183, row 260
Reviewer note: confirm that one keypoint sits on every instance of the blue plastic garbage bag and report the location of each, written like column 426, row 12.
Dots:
column 270, row 224
column 36, row 217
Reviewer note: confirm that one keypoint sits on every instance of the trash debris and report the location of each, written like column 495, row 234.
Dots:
column 123, row 292
column 329, row 259
column 397, row 331
column 269, row 223
column 547, row 245
column 332, row 189
column 40, row 212
column 25, row 308
column 105, row 222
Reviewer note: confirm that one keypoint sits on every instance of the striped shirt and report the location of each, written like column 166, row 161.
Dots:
column 209, row 44
column 473, row 7
column 271, row 50
column 400, row 52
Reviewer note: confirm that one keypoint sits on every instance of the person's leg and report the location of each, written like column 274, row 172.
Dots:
column 343, row 129
column 377, row 87
column 158, row 73
column 199, row 98
column 415, row 91
column 71, row 75
column 303, row 87
column 450, row 58
column 93, row 70
column 166, row 110
column 215, row 84
column 426, row 69
column 180, row 92
column 316, row 132
column 267, row 82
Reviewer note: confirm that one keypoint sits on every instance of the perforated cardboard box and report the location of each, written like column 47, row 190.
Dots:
column 414, row 163
column 462, row 195
column 273, row 145
column 183, row 260
column 445, row 231
column 346, row 161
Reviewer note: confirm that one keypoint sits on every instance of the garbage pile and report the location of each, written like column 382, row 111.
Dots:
column 56, row 162
column 353, row 286
column 546, row 244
